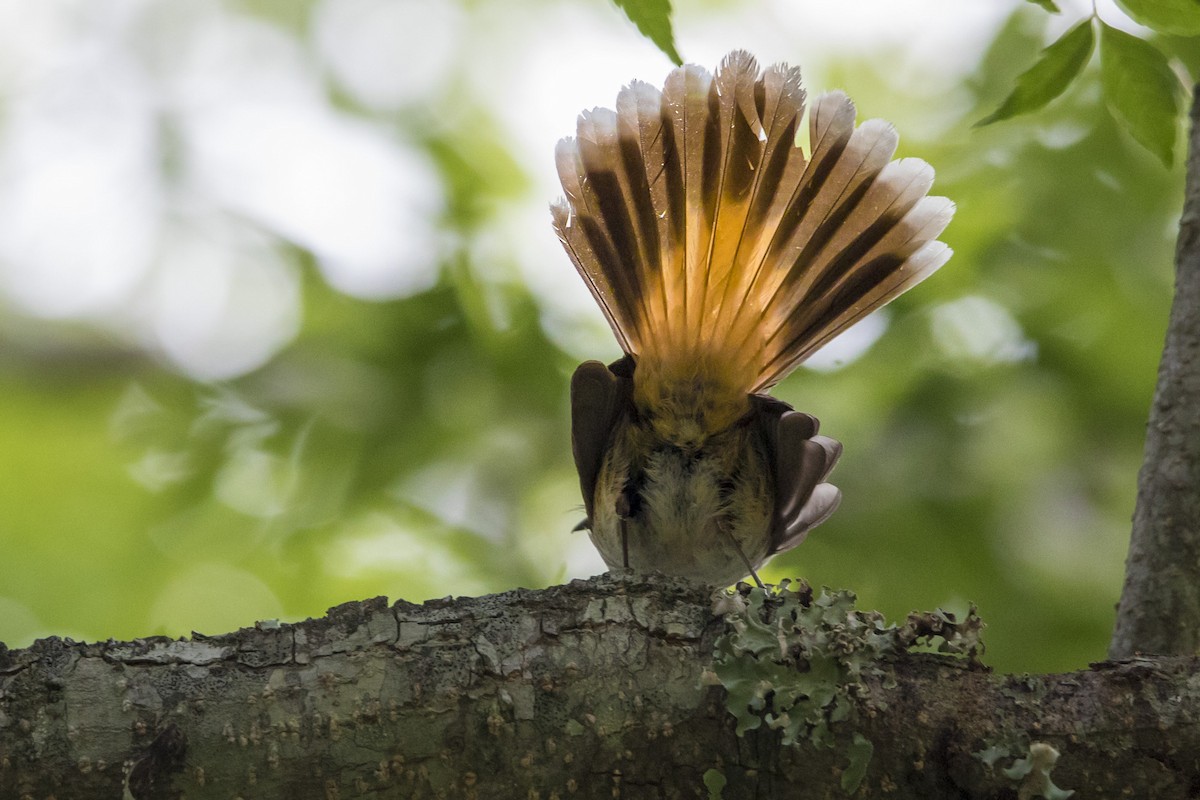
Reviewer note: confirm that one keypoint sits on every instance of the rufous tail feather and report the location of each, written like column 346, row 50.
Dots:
column 721, row 255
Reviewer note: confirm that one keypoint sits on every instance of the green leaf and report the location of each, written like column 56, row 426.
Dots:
column 1049, row 5
column 1050, row 75
column 1167, row 16
column 1141, row 90
column 653, row 19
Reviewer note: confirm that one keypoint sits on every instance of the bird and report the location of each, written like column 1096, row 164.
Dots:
column 722, row 256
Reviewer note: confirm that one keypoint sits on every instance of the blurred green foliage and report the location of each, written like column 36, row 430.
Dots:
column 1140, row 88
column 418, row 447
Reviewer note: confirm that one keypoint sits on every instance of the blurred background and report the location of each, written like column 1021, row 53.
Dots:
column 283, row 322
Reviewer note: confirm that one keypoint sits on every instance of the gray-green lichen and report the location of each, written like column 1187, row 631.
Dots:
column 714, row 782
column 794, row 661
column 1030, row 773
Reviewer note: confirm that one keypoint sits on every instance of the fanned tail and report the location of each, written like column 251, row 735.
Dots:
column 720, row 255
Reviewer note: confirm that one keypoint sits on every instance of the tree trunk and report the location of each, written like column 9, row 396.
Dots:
column 1159, row 610
column 600, row 688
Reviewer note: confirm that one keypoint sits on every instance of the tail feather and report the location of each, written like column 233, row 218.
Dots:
column 721, row 256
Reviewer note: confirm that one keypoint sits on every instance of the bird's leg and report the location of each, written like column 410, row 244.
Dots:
column 624, row 543
column 745, row 560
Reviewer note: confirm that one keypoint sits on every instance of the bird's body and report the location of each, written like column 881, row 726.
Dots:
column 718, row 493
column 723, row 257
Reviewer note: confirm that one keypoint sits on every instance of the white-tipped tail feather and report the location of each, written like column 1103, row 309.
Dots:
column 721, row 255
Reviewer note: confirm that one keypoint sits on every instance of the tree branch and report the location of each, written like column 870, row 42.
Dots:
column 1160, row 602
column 595, row 689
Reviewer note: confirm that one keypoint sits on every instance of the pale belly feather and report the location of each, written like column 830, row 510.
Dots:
column 689, row 508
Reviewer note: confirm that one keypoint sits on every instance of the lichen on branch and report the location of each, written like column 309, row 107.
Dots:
column 794, row 661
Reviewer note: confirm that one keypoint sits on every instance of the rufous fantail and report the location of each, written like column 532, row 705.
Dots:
column 723, row 257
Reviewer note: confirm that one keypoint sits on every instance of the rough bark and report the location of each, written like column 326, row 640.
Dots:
column 594, row 689
column 1159, row 610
